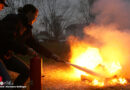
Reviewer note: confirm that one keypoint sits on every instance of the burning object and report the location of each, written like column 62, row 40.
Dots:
column 98, row 82
column 105, row 62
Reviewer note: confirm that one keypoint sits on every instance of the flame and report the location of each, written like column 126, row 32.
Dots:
column 95, row 82
column 122, row 80
column 106, row 63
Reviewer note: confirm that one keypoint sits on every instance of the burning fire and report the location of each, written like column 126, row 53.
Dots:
column 107, row 63
column 112, row 59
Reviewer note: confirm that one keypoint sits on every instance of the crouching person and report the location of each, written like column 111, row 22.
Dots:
column 17, row 37
column 4, row 76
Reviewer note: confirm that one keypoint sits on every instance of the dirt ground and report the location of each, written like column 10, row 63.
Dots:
column 59, row 76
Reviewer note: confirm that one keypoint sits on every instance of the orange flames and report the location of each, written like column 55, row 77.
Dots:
column 105, row 60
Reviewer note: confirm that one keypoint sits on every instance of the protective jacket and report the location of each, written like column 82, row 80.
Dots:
column 12, row 40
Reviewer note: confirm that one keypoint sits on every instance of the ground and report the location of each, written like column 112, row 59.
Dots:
column 59, row 76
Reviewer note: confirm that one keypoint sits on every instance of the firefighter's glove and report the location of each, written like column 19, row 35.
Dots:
column 57, row 58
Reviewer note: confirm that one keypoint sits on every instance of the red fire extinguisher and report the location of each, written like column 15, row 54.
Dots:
column 36, row 73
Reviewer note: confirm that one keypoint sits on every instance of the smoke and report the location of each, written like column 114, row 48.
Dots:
column 113, row 12
column 112, row 28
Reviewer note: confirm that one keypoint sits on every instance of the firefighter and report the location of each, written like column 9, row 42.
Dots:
column 17, row 37
column 3, row 72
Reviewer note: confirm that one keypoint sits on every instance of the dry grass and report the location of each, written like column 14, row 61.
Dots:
column 60, row 77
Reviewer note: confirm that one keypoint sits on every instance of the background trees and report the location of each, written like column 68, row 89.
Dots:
column 55, row 16
column 86, row 10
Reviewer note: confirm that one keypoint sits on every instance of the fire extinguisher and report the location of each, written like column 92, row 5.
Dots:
column 36, row 72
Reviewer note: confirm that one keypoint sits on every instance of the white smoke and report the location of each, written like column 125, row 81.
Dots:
column 113, row 29
column 113, row 12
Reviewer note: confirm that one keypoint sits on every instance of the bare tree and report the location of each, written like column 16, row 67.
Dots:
column 12, row 5
column 86, row 10
column 56, row 16
column 15, row 4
